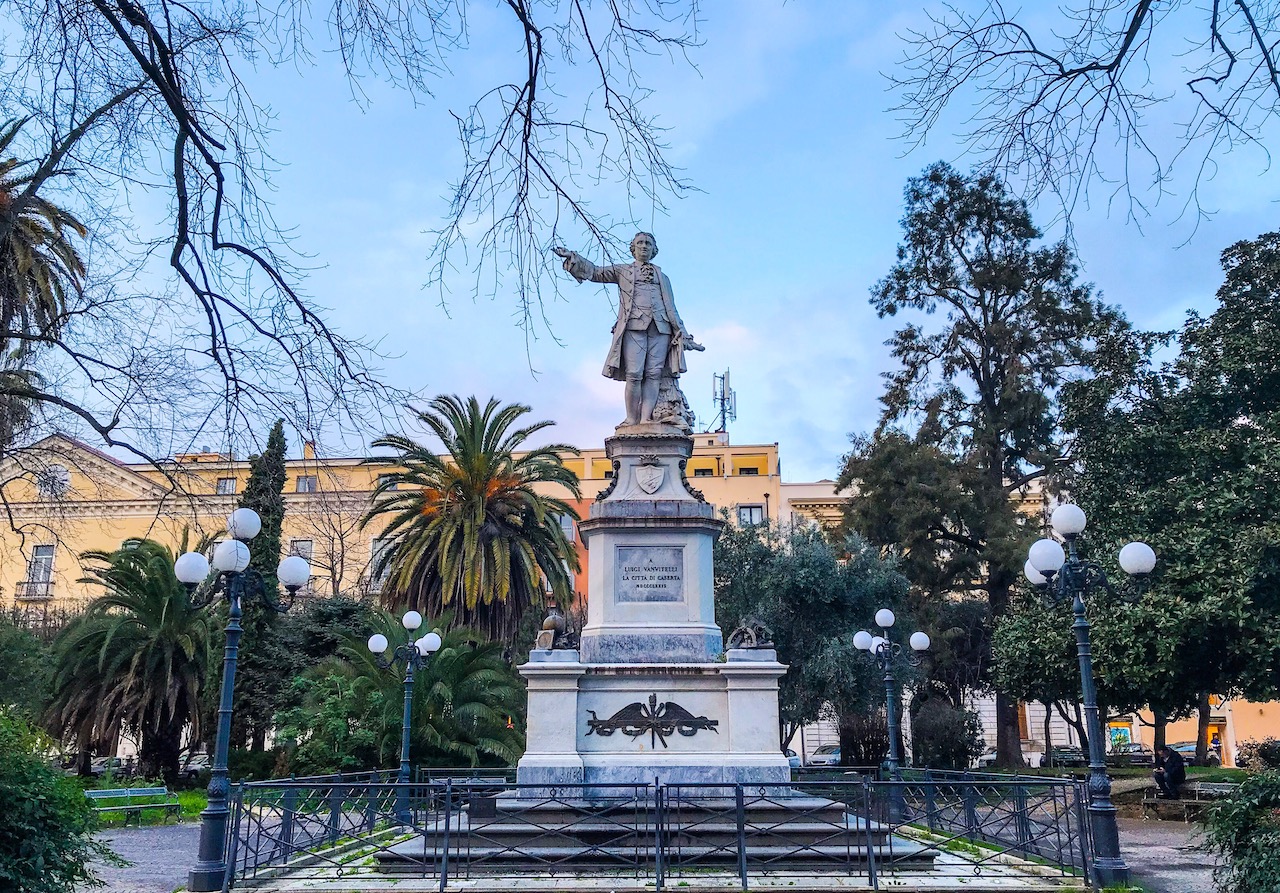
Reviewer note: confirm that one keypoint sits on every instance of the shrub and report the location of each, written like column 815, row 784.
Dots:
column 1244, row 830
column 46, row 824
column 1259, row 756
column 864, row 739
column 944, row 737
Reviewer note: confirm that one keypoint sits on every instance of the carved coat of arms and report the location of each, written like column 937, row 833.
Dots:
column 650, row 474
column 658, row 720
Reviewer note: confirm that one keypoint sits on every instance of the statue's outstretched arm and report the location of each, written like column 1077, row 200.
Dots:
column 582, row 269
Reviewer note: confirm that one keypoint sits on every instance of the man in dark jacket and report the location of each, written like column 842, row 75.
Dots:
column 1171, row 773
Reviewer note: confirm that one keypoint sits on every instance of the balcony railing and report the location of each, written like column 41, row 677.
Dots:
column 34, row 590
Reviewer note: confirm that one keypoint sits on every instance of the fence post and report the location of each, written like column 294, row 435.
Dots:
column 444, row 856
column 1023, row 820
column 872, row 875
column 930, row 801
column 659, row 826
column 742, row 835
column 336, row 794
column 371, row 806
column 286, row 822
column 233, row 834
column 969, row 794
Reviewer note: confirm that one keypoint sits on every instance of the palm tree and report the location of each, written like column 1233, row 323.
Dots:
column 467, row 706
column 469, row 533
column 38, row 263
column 136, row 658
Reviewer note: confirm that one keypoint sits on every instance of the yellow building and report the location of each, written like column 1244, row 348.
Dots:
column 65, row 498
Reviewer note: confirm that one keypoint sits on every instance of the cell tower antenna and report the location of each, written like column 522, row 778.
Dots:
column 726, row 403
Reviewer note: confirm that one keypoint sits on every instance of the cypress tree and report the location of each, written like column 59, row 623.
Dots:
column 264, row 669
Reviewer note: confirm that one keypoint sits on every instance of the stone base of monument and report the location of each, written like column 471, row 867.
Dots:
column 636, row 724
column 513, row 834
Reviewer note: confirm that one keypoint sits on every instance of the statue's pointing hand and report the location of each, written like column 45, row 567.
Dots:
column 562, row 252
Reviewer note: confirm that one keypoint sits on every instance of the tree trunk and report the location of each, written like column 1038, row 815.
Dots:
column 1008, row 733
column 160, row 754
column 259, row 741
column 1048, row 733
column 1161, row 730
column 1202, row 729
column 1078, row 724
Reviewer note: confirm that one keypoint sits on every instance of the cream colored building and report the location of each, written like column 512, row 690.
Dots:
column 65, row 498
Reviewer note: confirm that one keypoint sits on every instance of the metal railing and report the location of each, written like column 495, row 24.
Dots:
column 33, row 590
column 449, row 827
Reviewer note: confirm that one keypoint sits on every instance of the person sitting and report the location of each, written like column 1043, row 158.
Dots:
column 1170, row 774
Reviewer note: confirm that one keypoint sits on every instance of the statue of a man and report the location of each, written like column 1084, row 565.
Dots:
column 649, row 339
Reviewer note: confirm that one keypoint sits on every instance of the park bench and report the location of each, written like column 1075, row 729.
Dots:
column 132, row 801
column 1194, row 799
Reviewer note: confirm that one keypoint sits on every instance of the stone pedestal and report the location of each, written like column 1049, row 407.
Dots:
column 651, row 694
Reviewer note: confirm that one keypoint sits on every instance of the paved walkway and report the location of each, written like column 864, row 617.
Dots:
column 1165, row 857
column 160, row 856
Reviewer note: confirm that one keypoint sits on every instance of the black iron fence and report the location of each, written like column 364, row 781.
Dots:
column 447, row 826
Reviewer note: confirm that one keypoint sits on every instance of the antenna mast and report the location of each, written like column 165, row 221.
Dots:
column 726, row 402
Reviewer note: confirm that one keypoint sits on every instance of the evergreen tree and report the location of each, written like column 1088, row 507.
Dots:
column 265, row 668
column 970, row 415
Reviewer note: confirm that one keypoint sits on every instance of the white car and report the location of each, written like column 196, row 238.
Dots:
column 826, row 755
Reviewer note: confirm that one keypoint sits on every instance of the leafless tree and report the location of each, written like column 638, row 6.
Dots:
column 1071, row 102
column 135, row 104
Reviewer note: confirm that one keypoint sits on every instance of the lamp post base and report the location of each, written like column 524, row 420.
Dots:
column 206, row 879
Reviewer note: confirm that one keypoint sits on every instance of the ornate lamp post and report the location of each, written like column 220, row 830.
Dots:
column 1064, row 575
column 884, row 652
column 237, row 583
column 414, row 655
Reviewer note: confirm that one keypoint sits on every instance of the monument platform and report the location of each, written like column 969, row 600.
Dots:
column 650, row 695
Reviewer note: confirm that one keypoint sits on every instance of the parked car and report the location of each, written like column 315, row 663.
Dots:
column 826, row 755
column 1066, row 755
column 99, row 766
column 1128, row 755
column 195, row 765
column 793, row 758
column 1188, row 751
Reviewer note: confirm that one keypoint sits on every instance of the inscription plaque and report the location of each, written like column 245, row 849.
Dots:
column 649, row 573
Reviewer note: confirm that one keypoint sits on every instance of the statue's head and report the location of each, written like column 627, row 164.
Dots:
column 644, row 243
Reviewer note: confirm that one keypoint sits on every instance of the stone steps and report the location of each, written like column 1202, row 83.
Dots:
column 525, row 833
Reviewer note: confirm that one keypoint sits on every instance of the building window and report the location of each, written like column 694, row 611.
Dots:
column 566, row 524
column 306, row 483
column 39, row 574
column 302, row 548
column 226, row 486
column 378, row 570
column 387, row 481
column 703, row 472
column 747, row 469
column 608, row 475
column 750, row 514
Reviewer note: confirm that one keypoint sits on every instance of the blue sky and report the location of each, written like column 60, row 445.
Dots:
column 784, row 128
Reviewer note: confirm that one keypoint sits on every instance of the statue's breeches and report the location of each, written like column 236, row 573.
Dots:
column 644, row 353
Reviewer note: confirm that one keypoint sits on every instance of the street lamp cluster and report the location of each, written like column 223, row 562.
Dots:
column 1060, row 575
column 414, row 655
column 885, row 652
column 234, row 580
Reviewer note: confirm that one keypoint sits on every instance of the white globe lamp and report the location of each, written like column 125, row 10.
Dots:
column 862, row 640
column 191, row 568
column 1047, row 556
column 1068, row 520
column 377, row 643
column 244, row 524
column 919, row 642
column 1137, row 559
column 884, row 618
column 231, row 556
column 293, row 572
column 411, row 620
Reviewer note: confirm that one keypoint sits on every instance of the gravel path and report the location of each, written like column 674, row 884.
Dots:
column 1165, row 857
column 160, row 855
